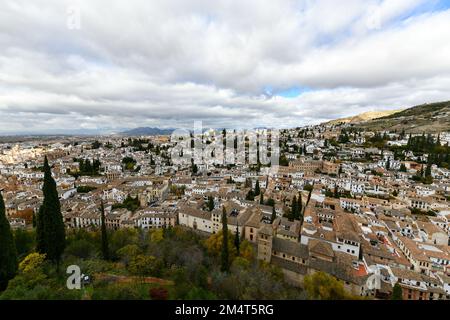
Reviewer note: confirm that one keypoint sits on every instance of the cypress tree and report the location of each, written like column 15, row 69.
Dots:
column 225, row 254
column 34, row 220
column 8, row 252
column 294, row 212
column 257, row 189
column 210, row 203
column 50, row 230
column 261, row 198
column 105, row 246
column 428, row 170
column 274, row 215
column 299, row 204
column 250, row 196
column 237, row 241
column 421, row 173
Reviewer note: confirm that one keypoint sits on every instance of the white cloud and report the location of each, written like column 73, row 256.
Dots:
column 167, row 63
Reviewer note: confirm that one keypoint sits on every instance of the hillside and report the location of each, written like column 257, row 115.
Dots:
column 366, row 116
column 428, row 118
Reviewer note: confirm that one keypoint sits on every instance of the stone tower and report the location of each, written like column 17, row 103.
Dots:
column 265, row 238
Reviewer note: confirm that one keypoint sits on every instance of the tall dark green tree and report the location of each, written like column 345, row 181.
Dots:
column 257, row 189
column 261, row 198
column 299, row 204
column 34, row 220
column 428, row 170
column 105, row 244
column 50, row 230
column 403, row 168
column 237, row 240
column 250, row 196
column 294, row 209
column 210, row 203
column 8, row 252
column 225, row 253
column 274, row 215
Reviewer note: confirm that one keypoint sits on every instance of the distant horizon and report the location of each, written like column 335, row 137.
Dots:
column 110, row 131
column 97, row 67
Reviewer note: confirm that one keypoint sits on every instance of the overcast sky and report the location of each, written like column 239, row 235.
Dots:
column 106, row 65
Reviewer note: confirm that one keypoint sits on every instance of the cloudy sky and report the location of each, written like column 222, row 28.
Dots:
column 94, row 65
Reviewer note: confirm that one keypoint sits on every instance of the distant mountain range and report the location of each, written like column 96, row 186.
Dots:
column 428, row 118
column 146, row 131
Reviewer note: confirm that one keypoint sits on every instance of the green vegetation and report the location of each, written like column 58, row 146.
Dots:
column 270, row 202
column 87, row 168
column 418, row 110
column 225, row 263
column 250, row 196
column 129, row 163
column 177, row 191
column 25, row 240
column 295, row 211
column 274, row 215
column 96, row 145
column 284, row 162
column 8, row 252
column 429, row 213
column 50, row 229
column 429, row 118
column 172, row 263
column 322, row 286
column 85, row 189
column 237, row 242
column 140, row 144
column 130, row 203
column 210, row 203
column 397, row 292
column 105, row 244
column 257, row 189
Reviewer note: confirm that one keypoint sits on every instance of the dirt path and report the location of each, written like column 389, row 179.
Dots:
column 129, row 279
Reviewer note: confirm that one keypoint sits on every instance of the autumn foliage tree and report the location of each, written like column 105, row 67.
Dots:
column 322, row 286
